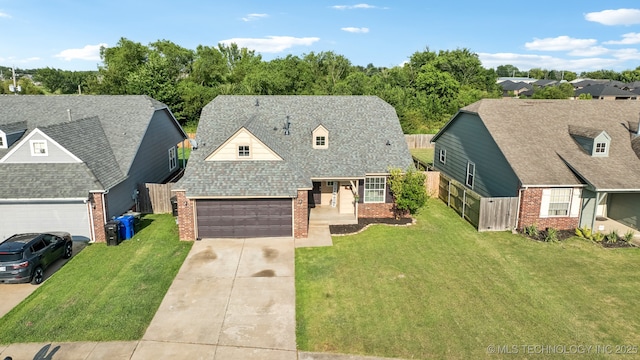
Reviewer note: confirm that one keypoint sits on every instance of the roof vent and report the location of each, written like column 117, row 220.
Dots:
column 287, row 126
column 257, row 102
column 69, row 114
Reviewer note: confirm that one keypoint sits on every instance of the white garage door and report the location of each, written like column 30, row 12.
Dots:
column 72, row 217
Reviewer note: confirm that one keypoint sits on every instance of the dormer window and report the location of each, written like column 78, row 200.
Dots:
column 601, row 148
column 594, row 142
column 3, row 142
column 320, row 138
column 39, row 148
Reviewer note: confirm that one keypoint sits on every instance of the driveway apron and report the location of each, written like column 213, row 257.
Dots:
column 231, row 299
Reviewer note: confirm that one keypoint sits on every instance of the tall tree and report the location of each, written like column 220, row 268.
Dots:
column 119, row 61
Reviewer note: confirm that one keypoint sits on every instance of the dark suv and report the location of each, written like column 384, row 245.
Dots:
column 24, row 257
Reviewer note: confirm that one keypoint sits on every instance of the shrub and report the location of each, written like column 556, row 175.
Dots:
column 551, row 235
column 612, row 237
column 628, row 236
column 598, row 237
column 584, row 232
column 408, row 190
column 531, row 231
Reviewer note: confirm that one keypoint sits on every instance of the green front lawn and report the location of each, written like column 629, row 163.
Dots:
column 104, row 293
column 439, row 289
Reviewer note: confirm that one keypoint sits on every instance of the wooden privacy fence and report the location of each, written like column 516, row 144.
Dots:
column 154, row 198
column 419, row 141
column 187, row 144
column 484, row 213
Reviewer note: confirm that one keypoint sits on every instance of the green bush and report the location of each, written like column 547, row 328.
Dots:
column 598, row 237
column 628, row 236
column 551, row 235
column 408, row 190
column 612, row 237
column 531, row 231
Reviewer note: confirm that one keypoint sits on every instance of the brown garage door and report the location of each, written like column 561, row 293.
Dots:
column 244, row 218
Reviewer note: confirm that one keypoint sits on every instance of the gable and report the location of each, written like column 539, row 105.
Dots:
column 257, row 150
column 320, row 138
column 38, row 147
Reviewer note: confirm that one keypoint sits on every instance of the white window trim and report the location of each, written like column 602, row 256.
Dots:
column 473, row 175
column 443, row 156
column 41, row 153
column 3, row 140
column 173, row 158
column 248, row 156
column 384, row 190
column 574, row 204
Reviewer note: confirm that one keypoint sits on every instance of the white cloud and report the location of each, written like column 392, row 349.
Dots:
column 626, row 54
column 362, row 30
column 560, row 43
column 271, row 44
column 590, row 51
column 254, row 17
column 627, row 39
column 357, row 6
column 4, row 15
column 89, row 52
column 528, row 61
column 615, row 17
column 15, row 60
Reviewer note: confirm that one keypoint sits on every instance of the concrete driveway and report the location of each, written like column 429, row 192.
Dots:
column 13, row 294
column 231, row 299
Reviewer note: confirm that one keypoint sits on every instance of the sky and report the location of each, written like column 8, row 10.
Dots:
column 556, row 35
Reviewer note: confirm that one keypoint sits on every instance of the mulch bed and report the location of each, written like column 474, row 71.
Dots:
column 566, row 234
column 364, row 222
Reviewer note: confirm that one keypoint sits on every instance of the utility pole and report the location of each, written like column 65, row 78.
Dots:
column 15, row 89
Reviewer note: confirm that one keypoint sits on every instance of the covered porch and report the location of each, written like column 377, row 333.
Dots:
column 605, row 211
column 334, row 202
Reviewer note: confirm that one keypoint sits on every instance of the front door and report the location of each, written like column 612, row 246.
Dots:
column 316, row 195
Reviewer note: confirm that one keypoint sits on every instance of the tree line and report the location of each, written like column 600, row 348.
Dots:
column 425, row 91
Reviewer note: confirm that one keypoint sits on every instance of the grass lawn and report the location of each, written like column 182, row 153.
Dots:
column 439, row 289
column 424, row 155
column 104, row 293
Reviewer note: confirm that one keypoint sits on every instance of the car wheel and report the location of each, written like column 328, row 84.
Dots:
column 68, row 251
column 38, row 276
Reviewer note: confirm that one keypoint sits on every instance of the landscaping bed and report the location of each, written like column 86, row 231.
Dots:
column 363, row 223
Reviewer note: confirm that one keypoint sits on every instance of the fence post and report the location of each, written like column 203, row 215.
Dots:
column 464, row 201
column 449, row 193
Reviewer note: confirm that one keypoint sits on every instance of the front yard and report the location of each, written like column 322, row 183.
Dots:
column 104, row 293
column 439, row 289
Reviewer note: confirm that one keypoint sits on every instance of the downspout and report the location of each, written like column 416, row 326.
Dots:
column 518, row 208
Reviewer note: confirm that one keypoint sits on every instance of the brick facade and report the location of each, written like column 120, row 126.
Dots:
column 530, row 203
column 375, row 210
column 98, row 206
column 301, row 214
column 186, row 216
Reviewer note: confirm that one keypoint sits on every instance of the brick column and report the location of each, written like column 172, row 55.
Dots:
column 301, row 215
column 98, row 206
column 186, row 216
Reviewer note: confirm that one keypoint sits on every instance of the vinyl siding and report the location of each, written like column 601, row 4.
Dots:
column 467, row 139
column 55, row 154
column 585, row 143
column 625, row 208
column 588, row 209
column 151, row 164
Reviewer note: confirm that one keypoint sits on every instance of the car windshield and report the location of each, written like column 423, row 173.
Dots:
column 10, row 256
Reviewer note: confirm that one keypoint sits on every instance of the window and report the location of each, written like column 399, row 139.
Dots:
column 243, row 151
column 601, row 148
column 38, row 147
column 1, row 142
column 329, row 183
column 173, row 159
column 443, row 156
column 321, row 140
column 559, row 202
column 374, row 189
column 471, row 174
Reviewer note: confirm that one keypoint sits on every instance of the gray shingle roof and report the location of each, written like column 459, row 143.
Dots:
column 54, row 180
column 604, row 90
column 359, row 128
column 104, row 132
column 534, row 137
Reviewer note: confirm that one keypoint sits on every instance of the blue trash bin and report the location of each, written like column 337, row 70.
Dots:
column 126, row 230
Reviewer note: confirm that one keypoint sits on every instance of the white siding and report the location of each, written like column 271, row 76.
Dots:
column 229, row 150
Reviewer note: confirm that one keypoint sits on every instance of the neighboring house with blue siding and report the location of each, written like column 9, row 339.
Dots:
column 569, row 162
column 71, row 163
